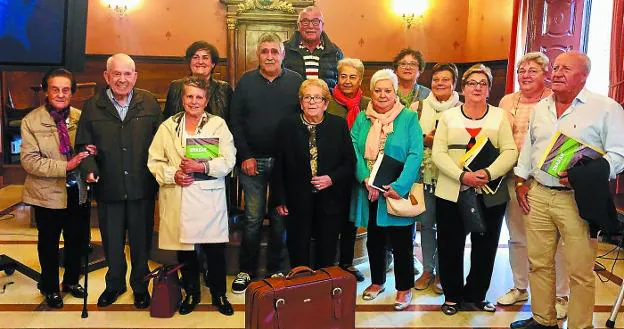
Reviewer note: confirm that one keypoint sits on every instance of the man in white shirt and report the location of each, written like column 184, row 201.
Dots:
column 548, row 203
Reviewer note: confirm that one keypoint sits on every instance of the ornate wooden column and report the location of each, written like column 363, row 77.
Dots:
column 247, row 20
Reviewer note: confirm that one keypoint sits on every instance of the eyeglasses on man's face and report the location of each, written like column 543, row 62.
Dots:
column 405, row 65
column 314, row 22
column 475, row 83
column 313, row 99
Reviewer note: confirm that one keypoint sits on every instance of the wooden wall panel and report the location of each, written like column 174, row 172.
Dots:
column 155, row 74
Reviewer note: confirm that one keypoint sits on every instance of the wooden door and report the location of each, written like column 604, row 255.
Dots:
column 557, row 26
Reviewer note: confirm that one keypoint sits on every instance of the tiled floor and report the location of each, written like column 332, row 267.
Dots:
column 21, row 306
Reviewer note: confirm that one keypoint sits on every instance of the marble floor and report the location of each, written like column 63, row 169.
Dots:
column 21, row 306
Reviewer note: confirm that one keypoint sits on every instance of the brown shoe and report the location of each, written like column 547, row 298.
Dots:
column 437, row 286
column 424, row 281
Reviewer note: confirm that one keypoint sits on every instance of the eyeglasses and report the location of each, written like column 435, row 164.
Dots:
column 474, row 83
column 530, row 72
column 405, row 65
column 313, row 99
column 314, row 21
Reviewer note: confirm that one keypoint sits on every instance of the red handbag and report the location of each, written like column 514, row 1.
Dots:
column 166, row 293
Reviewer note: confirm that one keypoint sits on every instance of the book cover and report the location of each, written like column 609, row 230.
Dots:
column 202, row 149
column 385, row 171
column 565, row 152
column 481, row 156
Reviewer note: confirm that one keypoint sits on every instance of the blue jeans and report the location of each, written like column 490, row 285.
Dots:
column 255, row 190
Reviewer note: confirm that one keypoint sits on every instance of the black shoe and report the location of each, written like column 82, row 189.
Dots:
column 223, row 305
column 141, row 300
column 240, row 283
column 54, row 300
column 75, row 290
column 109, row 296
column 189, row 303
column 484, row 306
column 530, row 324
column 359, row 277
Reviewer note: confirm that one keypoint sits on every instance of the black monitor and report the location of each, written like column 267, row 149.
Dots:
column 40, row 34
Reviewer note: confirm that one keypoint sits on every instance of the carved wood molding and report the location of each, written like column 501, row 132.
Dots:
column 272, row 5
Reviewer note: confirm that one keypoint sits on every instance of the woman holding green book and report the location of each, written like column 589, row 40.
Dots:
column 192, row 153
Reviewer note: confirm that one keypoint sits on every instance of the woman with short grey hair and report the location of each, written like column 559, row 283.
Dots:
column 386, row 128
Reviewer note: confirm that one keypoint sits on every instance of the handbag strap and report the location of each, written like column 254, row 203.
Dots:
column 163, row 271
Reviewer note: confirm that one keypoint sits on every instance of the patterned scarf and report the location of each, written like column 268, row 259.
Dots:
column 381, row 126
column 60, row 117
column 352, row 104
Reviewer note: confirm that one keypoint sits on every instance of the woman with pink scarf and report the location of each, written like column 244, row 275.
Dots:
column 386, row 127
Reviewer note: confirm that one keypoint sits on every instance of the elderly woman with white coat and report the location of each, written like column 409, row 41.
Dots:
column 192, row 198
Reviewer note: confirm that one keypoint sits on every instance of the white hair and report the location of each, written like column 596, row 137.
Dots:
column 384, row 74
column 119, row 57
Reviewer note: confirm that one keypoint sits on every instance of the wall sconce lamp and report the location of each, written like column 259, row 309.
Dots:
column 121, row 7
column 410, row 10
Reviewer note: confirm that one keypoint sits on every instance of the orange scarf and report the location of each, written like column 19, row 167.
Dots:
column 381, row 126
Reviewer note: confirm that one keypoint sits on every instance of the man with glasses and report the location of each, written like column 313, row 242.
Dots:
column 263, row 97
column 310, row 52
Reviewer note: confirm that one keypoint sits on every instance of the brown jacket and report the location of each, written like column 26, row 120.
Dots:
column 41, row 159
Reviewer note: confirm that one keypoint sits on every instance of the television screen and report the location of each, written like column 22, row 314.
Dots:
column 41, row 32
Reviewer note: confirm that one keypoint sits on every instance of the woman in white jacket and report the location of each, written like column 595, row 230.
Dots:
column 190, row 155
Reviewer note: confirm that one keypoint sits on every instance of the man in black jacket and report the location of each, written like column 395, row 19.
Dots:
column 121, row 121
column 310, row 52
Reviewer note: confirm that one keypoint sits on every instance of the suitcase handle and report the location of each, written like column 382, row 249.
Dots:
column 299, row 270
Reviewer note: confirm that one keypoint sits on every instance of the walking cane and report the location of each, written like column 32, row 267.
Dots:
column 85, row 314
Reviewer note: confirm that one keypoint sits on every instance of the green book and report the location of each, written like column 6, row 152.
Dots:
column 202, row 149
column 565, row 152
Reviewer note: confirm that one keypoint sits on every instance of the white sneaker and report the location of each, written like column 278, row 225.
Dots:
column 561, row 306
column 513, row 296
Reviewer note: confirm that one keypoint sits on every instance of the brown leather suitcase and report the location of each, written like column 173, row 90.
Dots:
column 304, row 299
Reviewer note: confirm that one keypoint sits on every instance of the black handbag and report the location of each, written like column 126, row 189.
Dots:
column 470, row 211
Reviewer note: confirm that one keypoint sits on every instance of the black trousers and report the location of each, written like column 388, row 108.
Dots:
column 451, row 245
column 400, row 240
column 73, row 222
column 348, row 232
column 215, row 258
column 137, row 218
column 302, row 225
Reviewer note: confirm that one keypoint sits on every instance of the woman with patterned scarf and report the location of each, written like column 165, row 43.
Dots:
column 53, row 187
column 442, row 98
column 347, row 103
column 388, row 128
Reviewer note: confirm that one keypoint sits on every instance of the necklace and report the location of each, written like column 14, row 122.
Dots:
column 515, row 109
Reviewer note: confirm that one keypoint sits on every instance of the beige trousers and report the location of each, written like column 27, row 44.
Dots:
column 554, row 215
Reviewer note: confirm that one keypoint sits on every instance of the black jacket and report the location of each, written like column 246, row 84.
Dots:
column 328, row 62
column 219, row 97
column 336, row 158
column 593, row 197
column 121, row 161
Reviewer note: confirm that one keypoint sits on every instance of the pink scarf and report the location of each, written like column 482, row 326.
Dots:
column 352, row 104
column 381, row 126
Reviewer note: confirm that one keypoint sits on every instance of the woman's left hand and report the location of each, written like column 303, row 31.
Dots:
column 321, row 182
column 190, row 166
column 390, row 193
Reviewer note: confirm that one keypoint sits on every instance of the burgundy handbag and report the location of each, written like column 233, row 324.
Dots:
column 166, row 293
column 304, row 299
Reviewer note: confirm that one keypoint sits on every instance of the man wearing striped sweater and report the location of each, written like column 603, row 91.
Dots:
column 310, row 52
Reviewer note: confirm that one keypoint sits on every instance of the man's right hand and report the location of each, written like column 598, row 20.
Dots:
column 428, row 139
column 522, row 193
column 249, row 167
column 475, row 179
column 91, row 178
column 182, row 179
column 282, row 210
column 75, row 160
